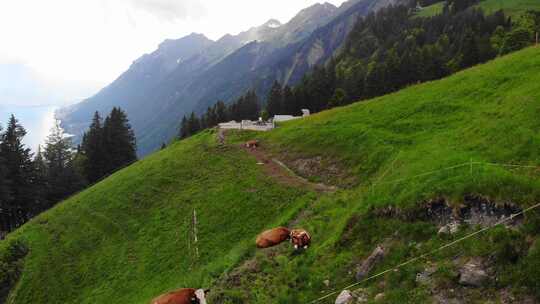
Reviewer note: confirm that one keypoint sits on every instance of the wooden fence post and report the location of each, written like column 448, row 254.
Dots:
column 195, row 238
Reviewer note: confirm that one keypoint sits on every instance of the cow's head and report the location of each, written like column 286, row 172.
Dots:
column 300, row 238
column 200, row 296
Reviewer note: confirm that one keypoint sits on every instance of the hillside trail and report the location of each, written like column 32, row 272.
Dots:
column 278, row 170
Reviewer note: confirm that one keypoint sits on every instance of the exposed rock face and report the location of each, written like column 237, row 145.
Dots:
column 473, row 274
column 376, row 256
column 475, row 210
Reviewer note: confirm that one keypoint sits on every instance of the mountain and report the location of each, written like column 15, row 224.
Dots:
column 405, row 165
column 126, row 91
column 223, row 69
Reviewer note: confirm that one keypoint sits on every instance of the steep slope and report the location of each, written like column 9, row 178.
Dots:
column 513, row 8
column 126, row 239
column 130, row 238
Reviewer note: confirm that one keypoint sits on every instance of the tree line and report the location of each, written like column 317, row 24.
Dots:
column 385, row 52
column 247, row 106
column 32, row 183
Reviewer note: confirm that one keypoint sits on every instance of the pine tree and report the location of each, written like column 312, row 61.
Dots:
column 42, row 182
column 22, row 172
column 93, row 149
column 221, row 112
column 274, row 103
column 194, row 124
column 119, row 141
column 5, row 193
column 62, row 177
column 184, row 128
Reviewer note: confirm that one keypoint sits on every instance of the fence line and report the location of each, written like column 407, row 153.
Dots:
column 424, row 255
column 471, row 164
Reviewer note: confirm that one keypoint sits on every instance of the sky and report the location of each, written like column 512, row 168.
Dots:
column 61, row 51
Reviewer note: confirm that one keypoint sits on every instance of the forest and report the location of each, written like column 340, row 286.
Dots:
column 32, row 183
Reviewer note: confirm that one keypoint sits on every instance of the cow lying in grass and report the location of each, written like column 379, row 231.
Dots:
column 269, row 238
column 182, row 296
column 252, row 144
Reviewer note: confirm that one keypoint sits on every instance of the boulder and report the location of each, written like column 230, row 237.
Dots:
column 473, row 274
column 379, row 297
column 376, row 256
column 450, row 228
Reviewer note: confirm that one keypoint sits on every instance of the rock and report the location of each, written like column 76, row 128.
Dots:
column 326, row 283
column 379, row 297
column 345, row 297
column 360, row 295
column 473, row 274
column 376, row 256
column 424, row 277
column 450, row 228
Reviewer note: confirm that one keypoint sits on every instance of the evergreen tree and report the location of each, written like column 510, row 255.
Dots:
column 274, row 104
column 184, row 128
column 21, row 170
column 94, row 152
column 62, row 177
column 41, row 180
column 221, row 112
column 5, row 193
column 118, row 141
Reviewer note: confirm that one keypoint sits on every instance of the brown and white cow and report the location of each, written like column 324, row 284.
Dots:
column 252, row 144
column 182, row 296
column 300, row 238
column 269, row 238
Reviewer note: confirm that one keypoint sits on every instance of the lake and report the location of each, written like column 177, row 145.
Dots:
column 37, row 120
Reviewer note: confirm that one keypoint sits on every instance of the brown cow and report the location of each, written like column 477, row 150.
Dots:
column 252, row 144
column 269, row 238
column 182, row 296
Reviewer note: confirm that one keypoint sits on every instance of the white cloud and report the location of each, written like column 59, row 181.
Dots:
column 76, row 47
column 170, row 10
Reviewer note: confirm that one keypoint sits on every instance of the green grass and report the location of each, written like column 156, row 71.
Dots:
column 125, row 240
column 431, row 10
column 513, row 8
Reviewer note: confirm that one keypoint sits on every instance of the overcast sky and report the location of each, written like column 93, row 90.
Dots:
column 65, row 50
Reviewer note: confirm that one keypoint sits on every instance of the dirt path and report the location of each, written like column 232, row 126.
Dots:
column 277, row 169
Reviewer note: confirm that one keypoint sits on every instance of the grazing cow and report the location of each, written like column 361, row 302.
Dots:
column 299, row 238
column 252, row 144
column 182, row 296
column 272, row 237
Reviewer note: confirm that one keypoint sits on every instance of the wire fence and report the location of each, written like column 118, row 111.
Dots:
column 471, row 167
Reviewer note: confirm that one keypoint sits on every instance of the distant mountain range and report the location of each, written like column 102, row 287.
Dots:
column 193, row 72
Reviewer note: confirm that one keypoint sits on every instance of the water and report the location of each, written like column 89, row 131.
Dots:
column 37, row 120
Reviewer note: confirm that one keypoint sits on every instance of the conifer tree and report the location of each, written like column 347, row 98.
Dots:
column 93, row 149
column 119, row 141
column 21, row 171
column 5, row 194
column 184, row 128
column 62, row 177
column 274, row 104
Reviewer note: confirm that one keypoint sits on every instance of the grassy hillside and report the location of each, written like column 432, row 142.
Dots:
column 125, row 240
column 512, row 8
column 488, row 114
